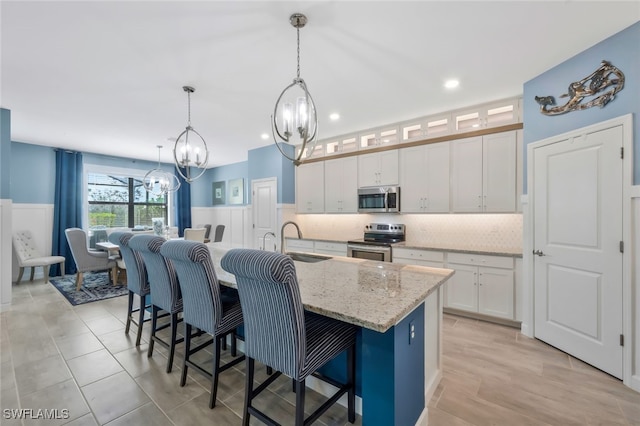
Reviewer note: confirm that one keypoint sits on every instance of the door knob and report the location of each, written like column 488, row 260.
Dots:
column 538, row 252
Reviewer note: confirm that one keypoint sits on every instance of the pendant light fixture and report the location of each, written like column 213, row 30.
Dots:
column 190, row 150
column 294, row 121
column 159, row 182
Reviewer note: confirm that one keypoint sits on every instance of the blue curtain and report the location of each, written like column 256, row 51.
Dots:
column 183, row 205
column 67, row 209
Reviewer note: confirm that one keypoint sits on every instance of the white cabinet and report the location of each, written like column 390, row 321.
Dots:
column 330, row 248
column 492, row 114
column 378, row 168
column 407, row 256
column 341, row 185
column 482, row 284
column 310, row 188
column 424, row 178
column 341, row 145
column 376, row 138
column 483, row 173
column 299, row 245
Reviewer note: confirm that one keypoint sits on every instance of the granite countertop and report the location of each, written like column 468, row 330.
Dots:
column 374, row 295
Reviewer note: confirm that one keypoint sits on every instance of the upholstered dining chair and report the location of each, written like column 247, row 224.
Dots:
column 217, row 237
column 195, row 234
column 29, row 256
column 203, row 307
column 88, row 260
column 281, row 334
column 207, row 233
column 165, row 291
column 137, row 282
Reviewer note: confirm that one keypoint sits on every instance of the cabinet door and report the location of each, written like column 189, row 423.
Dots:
column 436, row 171
column 368, row 170
column 340, row 185
column 466, row 176
column 412, row 168
column 462, row 292
column 495, row 292
column 310, row 188
column 388, row 167
column 499, row 172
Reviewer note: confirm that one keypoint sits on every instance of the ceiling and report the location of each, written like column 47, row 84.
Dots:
column 107, row 77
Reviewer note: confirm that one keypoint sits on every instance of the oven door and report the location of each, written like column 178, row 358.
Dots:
column 369, row 252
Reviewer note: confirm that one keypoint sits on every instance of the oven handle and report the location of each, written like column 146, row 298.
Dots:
column 370, row 248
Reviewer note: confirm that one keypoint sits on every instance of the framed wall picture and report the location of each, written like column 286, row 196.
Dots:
column 236, row 191
column 218, row 193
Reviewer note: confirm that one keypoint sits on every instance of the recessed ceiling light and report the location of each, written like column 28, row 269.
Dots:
column 264, row 136
column 451, row 84
column 335, row 116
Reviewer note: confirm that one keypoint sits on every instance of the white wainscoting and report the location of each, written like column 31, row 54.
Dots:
column 236, row 220
column 37, row 218
column 635, row 274
column 6, row 251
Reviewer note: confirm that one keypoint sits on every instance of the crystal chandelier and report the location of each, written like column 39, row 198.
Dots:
column 190, row 150
column 159, row 182
column 294, row 122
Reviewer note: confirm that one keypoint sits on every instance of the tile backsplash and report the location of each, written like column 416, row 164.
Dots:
column 469, row 231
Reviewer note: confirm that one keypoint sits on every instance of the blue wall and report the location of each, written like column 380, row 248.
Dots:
column 267, row 162
column 623, row 51
column 202, row 189
column 5, row 154
column 34, row 181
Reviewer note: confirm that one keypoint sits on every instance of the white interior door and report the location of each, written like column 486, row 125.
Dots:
column 577, row 192
column 264, row 193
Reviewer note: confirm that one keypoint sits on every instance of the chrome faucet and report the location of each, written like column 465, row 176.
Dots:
column 284, row 225
column 264, row 240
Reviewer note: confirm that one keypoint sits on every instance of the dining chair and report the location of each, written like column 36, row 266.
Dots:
column 195, row 234
column 29, row 256
column 281, row 334
column 203, row 307
column 217, row 237
column 137, row 281
column 164, row 290
column 207, row 233
column 88, row 260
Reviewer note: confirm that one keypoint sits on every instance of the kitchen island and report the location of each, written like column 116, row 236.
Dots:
column 399, row 311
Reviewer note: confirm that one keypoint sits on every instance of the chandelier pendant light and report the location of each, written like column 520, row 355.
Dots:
column 190, row 150
column 294, row 122
column 159, row 182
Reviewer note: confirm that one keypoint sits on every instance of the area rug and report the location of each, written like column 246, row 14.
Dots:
column 96, row 286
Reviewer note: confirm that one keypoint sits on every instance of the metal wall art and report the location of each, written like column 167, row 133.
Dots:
column 606, row 78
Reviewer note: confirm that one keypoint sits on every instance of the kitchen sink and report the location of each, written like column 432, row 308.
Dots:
column 307, row 258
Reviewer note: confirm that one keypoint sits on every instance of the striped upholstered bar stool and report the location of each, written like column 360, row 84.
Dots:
column 203, row 306
column 137, row 282
column 281, row 334
column 165, row 291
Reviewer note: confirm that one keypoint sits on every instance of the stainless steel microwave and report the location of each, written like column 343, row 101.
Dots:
column 379, row 199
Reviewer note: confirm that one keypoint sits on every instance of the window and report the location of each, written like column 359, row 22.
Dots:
column 120, row 201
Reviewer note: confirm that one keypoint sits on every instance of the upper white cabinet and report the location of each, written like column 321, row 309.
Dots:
column 310, row 188
column 483, row 173
column 426, row 127
column 499, row 113
column 424, row 178
column 341, row 145
column 375, row 138
column 378, row 168
column 341, row 185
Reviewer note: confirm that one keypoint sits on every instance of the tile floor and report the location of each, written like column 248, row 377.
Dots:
column 56, row 356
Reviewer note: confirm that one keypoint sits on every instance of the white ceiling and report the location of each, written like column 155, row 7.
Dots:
column 107, row 77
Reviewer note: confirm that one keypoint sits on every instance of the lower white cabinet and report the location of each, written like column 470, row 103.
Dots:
column 330, row 248
column 431, row 258
column 482, row 284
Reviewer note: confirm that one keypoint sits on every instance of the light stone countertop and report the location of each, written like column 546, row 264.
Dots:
column 374, row 295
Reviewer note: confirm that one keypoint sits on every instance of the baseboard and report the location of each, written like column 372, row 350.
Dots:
column 424, row 417
column 487, row 318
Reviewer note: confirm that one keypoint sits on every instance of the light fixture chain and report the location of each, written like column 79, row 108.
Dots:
column 189, row 107
column 298, row 31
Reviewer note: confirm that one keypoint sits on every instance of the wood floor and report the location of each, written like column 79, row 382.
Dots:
column 493, row 375
column 56, row 356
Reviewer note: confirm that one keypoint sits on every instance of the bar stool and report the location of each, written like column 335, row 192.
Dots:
column 203, row 306
column 281, row 334
column 165, row 291
column 137, row 282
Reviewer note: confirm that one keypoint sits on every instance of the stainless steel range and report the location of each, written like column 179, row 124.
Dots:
column 377, row 241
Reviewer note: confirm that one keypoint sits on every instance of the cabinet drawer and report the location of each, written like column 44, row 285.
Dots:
column 294, row 244
column 325, row 246
column 416, row 254
column 481, row 260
